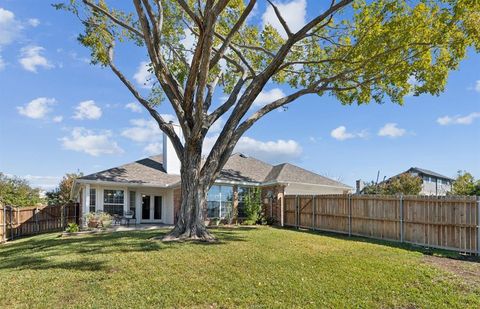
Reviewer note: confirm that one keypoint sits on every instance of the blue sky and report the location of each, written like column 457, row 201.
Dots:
column 60, row 114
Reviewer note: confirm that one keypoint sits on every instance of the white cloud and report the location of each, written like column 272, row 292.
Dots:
column 43, row 182
column 142, row 76
column 391, row 130
column 293, row 12
column 153, row 148
column 465, row 120
column 9, row 27
column 342, row 134
column 477, row 86
column 31, row 58
column 87, row 141
column 87, row 110
column 271, row 151
column 37, row 108
column 134, row 107
column 143, row 130
column 34, row 22
column 268, row 96
column 57, row 119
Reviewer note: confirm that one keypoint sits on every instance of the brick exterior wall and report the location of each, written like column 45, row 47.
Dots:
column 272, row 207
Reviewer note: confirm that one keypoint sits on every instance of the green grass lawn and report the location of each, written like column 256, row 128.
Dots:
column 249, row 267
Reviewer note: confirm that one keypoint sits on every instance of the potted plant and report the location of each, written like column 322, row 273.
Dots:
column 105, row 219
column 91, row 220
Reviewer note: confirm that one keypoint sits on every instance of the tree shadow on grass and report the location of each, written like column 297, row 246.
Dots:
column 441, row 253
column 36, row 252
column 39, row 263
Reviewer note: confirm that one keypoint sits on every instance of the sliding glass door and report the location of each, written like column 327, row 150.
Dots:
column 151, row 208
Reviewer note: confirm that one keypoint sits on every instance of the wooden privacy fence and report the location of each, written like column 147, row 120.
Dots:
column 22, row 221
column 439, row 222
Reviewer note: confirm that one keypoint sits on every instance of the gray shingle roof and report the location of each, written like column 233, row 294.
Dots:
column 291, row 173
column 148, row 171
column 428, row 173
column 243, row 168
column 239, row 168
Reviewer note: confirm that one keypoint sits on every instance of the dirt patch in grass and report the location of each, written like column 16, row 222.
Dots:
column 467, row 270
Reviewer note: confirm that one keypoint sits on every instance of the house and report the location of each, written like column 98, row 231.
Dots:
column 432, row 183
column 150, row 187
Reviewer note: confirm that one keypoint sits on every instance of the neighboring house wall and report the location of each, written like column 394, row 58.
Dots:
column 435, row 186
column 306, row 189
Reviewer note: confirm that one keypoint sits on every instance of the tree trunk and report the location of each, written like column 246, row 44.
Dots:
column 190, row 224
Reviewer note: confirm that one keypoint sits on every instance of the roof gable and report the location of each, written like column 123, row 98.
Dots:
column 148, row 171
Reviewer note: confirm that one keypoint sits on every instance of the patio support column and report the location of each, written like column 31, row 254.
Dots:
column 126, row 200
column 138, row 206
column 86, row 205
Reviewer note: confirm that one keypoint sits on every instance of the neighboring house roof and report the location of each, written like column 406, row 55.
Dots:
column 428, row 173
column 287, row 172
column 239, row 168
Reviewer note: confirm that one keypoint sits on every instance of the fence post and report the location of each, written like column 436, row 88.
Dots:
column 4, row 235
column 401, row 218
column 349, row 215
column 11, row 223
column 314, row 204
column 36, row 220
column 297, row 214
column 478, row 225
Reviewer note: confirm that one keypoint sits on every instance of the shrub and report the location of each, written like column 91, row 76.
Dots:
column 253, row 205
column 248, row 222
column 72, row 228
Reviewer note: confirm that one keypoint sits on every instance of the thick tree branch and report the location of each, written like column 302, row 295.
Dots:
column 281, row 19
column 228, row 39
column 163, row 125
column 169, row 84
column 190, row 13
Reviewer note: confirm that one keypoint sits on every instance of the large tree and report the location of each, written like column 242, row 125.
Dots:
column 356, row 51
column 17, row 192
column 465, row 184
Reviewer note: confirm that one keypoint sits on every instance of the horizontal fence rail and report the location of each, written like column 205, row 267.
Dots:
column 439, row 222
column 22, row 221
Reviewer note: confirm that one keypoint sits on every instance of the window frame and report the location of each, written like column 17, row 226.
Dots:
column 93, row 201
column 114, row 205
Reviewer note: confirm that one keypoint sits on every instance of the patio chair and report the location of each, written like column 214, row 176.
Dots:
column 129, row 216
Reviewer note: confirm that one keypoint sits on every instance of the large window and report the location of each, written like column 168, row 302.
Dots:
column 219, row 201
column 113, row 202
column 93, row 201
